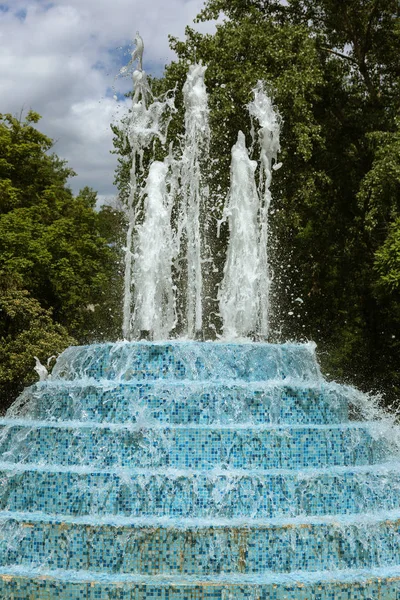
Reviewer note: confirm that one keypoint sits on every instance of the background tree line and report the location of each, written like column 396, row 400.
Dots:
column 333, row 69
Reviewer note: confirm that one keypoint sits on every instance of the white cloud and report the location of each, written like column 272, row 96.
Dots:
column 60, row 58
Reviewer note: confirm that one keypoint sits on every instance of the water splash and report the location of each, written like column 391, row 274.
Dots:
column 262, row 110
column 154, row 299
column 40, row 369
column 148, row 120
column 238, row 294
column 148, row 275
column 194, row 190
column 244, row 295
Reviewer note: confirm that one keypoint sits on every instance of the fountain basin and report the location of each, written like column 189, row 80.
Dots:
column 187, row 470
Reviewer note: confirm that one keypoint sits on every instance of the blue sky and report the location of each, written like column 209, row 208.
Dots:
column 60, row 58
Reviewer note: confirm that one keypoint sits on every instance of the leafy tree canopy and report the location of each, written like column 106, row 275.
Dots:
column 59, row 257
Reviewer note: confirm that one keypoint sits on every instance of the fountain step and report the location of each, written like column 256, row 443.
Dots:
column 213, row 471
column 195, row 493
column 18, row 583
column 267, row 446
column 202, row 402
column 202, row 548
column 125, row 361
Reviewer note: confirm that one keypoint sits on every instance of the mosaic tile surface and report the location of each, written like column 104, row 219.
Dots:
column 196, row 471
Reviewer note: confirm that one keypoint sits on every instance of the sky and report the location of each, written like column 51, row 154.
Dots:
column 60, row 59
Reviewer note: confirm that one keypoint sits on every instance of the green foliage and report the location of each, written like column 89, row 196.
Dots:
column 26, row 330
column 387, row 262
column 365, row 34
column 387, row 292
column 240, row 54
column 333, row 70
column 26, row 170
column 379, row 195
column 59, row 258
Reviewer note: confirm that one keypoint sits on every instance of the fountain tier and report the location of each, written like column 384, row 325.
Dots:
column 187, row 471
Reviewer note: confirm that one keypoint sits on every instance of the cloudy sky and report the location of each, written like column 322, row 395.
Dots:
column 60, row 58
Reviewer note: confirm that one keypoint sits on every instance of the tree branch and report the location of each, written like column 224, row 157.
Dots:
column 340, row 54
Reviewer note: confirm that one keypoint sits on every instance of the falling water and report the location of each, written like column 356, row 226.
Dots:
column 154, row 298
column 193, row 470
column 194, row 189
column 238, row 294
column 262, row 110
column 145, row 123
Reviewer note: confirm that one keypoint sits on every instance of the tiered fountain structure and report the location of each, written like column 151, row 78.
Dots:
column 183, row 470
column 195, row 470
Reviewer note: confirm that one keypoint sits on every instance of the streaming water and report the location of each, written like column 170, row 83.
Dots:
column 194, row 190
column 148, row 267
column 239, row 301
column 148, row 120
column 268, row 119
column 156, row 248
column 244, row 294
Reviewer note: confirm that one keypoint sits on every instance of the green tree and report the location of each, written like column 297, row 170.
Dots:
column 59, row 257
column 387, row 263
column 26, row 330
column 380, row 197
column 387, row 293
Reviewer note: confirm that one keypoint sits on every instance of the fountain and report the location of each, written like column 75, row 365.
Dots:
column 147, row 122
column 194, row 189
column 155, row 302
column 187, row 470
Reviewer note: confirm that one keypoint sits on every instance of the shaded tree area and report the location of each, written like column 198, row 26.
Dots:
column 59, row 257
column 333, row 69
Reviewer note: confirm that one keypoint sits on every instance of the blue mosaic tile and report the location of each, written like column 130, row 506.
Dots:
column 194, row 402
column 180, row 447
column 189, row 361
column 195, row 471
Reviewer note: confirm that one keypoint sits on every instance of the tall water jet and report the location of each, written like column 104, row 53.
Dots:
column 146, row 122
column 262, row 110
column 239, row 301
column 244, row 295
column 194, row 190
column 154, row 296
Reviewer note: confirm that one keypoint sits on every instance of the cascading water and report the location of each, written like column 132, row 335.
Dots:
column 182, row 470
column 187, row 470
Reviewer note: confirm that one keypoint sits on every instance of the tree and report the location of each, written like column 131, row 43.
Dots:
column 26, row 331
column 59, row 257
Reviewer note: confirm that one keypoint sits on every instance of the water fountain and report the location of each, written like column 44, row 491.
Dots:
column 186, row 470
column 195, row 190
column 155, row 302
column 148, row 121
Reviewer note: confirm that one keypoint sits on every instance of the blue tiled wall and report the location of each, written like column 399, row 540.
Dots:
column 196, row 471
